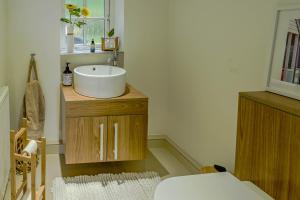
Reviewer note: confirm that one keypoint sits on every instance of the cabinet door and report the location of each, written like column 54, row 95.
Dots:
column 127, row 137
column 86, row 139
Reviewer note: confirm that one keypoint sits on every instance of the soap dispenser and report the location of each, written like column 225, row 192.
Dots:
column 93, row 46
column 67, row 76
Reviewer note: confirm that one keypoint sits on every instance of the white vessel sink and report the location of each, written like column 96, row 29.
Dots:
column 100, row 81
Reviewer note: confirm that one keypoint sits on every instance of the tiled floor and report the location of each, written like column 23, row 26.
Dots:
column 159, row 159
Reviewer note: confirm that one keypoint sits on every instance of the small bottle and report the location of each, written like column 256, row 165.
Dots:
column 93, row 47
column 67, row 76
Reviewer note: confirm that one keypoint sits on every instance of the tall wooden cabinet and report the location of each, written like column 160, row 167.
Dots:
column 104, row 130
column 268, row 143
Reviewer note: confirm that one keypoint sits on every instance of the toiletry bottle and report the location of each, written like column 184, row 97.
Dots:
column 67, row 76
column 93, row 47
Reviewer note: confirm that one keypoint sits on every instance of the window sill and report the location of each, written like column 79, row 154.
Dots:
column 64, row 52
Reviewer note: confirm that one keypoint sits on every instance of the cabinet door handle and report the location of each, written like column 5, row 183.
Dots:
column 116, row 141
column 101, row 141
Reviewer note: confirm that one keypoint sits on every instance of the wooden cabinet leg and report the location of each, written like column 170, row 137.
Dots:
column 33, row 176
column 43, row 165
column 12, row 166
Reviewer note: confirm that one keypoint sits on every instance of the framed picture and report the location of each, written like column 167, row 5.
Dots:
column 110, row 44
column 284, row 72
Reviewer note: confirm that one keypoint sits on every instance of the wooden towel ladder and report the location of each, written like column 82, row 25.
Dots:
column 21, row 135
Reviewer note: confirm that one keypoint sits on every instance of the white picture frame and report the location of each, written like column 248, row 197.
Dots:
column 279, row 80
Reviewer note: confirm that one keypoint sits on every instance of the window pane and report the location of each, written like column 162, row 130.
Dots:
column 96, row 7
column 78, row 3
column 78, row 35
column 94, row 29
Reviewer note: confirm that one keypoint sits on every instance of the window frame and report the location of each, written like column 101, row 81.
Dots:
column 107, row 24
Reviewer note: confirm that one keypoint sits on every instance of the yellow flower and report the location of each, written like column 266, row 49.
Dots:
column 70, row 6
column 85, row 11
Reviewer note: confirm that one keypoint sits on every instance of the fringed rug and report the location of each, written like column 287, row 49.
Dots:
column 125, row 186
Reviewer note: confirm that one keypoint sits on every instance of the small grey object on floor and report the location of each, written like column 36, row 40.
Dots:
column 124, row 186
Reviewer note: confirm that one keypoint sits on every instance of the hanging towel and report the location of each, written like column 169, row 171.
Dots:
column 34, row 105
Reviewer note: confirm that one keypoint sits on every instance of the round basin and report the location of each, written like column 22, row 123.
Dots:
column 99, row 81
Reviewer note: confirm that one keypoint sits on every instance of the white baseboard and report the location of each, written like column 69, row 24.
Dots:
column 52, row 142
column 150, row 136
column 185, row 155
column 178, row 152
column 157, row 137
column 55, row 148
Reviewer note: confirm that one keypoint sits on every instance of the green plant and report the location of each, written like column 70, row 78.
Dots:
column 111, row 33
column 75, row 13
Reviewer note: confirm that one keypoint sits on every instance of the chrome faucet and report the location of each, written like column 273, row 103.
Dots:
column 113, row 59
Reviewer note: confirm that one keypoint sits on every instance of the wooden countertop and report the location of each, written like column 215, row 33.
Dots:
column 282, row 103
column 131, row 93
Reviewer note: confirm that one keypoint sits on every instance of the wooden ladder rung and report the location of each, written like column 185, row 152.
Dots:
column 40, row 191
column 37, row 141
column 20, row 157
column 20, row 133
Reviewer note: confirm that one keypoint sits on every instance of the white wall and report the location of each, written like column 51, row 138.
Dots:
column 4, row 102
column 217, row 48
column 3, row 18
column 4, row 141
column 119, row 21
column 190, row 57
column 34, row 27
column 146, row 56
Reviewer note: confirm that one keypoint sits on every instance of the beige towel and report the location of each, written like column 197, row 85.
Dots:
column 35, row 109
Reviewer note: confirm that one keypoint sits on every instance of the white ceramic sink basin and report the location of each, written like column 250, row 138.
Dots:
column 100, row 81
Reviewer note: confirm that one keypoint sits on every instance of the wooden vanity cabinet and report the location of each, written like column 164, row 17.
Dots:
column 115, row 130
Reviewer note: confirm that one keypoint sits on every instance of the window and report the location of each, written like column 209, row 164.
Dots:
column 97, row 24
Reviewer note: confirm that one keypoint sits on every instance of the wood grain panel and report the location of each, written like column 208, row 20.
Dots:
column 267, row 147
column 131, row 93
column 132, row 102
column 276, row 101
column 83, row 139
column 100, row 108
column 294, row 174
column 132, row 137
column 82, row 115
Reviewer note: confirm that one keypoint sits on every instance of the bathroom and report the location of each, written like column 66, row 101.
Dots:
column 191, row 59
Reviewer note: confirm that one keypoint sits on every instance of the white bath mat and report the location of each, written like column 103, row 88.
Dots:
column 125, row 186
